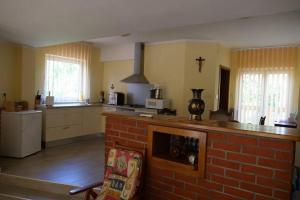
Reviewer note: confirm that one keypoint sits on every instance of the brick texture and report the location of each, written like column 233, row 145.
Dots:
column 238, row 167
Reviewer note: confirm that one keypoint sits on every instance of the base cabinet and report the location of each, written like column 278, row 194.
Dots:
column 91, row 120
column 182, row 150
column 63, row 123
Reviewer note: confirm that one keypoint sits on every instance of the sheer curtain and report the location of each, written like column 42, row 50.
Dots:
column 67, row 72
column 264, row 83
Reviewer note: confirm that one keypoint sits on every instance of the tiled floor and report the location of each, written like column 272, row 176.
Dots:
column 78, row 163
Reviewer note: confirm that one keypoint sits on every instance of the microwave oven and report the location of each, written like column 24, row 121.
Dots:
column 157, row 103
column 116, row 98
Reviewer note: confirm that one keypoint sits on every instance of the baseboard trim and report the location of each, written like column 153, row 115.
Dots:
column 71, row 140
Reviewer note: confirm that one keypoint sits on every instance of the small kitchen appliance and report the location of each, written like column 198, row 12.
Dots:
column 156, row 92
column 49, row 100
column 116, row 98
column 157, row 103
column 101, row 97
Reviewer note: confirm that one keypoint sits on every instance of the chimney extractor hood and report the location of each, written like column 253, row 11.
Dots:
column 138, row 70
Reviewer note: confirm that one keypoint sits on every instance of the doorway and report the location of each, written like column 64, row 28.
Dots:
column 224, row 88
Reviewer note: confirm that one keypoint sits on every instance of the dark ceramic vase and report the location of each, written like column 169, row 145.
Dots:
column 196, row 104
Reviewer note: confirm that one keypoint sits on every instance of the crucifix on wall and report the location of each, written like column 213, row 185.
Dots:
column 201, row 61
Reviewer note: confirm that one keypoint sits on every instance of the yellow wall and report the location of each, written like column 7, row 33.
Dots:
column 113, row 73
column 28, row 75
column 96, row 69
column 215, row 55
column 224, row 56
column 298, row 83
column 96, row 75
column 295, row 97
column 173, row 67
column 10, row 70
column 22, row 72
column 164, row 65
column 232, row 84
column 296, row 93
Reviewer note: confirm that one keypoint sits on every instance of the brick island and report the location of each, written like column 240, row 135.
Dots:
column 235, row 161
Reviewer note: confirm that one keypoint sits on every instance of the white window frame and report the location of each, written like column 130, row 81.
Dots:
column 260, row 107
column 49, row 86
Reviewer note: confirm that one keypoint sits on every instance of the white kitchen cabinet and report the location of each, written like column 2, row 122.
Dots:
column 20, row 133
column 63, row 123
column 62, row 132
column 91, row 120
column 63, row 117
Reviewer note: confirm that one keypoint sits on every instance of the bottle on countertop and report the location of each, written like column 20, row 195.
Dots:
column 49, row 100
column 3, row 100
column 37, row 100
column 111, row 95
column 101, row 97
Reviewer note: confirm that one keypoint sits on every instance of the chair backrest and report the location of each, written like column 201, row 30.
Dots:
column 262, row 120
column 143, row 153
column 129, row 148
column 124, row 167
column 221, row 115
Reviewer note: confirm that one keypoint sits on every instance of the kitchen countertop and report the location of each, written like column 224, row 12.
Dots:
column 74, row 105
column 71, row 105
column 212, row 125
column 78, row 105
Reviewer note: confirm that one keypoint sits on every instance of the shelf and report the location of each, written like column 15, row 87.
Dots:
column 168, row 157
column 160, row 141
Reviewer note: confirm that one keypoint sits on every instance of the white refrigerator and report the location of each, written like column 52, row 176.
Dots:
column 21, row 133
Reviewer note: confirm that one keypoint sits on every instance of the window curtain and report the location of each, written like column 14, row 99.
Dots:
column 72, row 58
column 264, row 83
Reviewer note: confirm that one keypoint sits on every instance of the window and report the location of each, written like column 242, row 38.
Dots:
column 264, row 93
column 264, row 83
column 65, row 78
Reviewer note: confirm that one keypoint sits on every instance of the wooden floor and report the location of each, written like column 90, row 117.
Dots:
column 78, row 163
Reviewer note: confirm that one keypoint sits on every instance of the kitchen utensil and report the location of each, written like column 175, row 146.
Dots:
column 156, row 93
column 101, row 98
column 49, row 100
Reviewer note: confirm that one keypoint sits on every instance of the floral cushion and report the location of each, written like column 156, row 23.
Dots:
column 122, row 174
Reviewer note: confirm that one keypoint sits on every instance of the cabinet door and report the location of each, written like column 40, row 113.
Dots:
column 63, row 117
column 91, row 120
column 63, row 132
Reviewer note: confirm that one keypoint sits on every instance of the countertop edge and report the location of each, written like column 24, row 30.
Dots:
column 274, row 132
column 76, row 106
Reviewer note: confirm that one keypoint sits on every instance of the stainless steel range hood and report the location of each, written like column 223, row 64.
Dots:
column 138, row 70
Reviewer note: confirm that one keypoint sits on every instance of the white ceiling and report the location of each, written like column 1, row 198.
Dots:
column 269, row 30
column 41, row 22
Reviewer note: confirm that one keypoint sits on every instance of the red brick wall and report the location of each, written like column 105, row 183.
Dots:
column 237, row 166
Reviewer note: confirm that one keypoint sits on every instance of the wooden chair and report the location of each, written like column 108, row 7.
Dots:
column 90, row 193
column 222, row 115
column 262, row 120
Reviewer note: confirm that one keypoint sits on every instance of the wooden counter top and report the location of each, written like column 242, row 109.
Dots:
column 212, row 125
